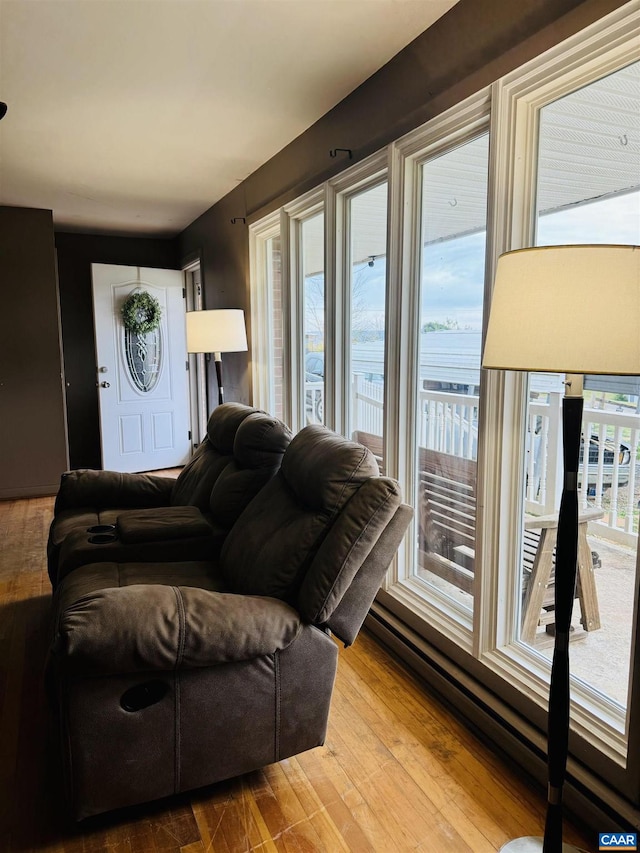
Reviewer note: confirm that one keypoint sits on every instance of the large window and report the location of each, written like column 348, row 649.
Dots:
column 588, row 191
column 385, row 288
column 366, row 287
column 567, row 160
column 452, row 262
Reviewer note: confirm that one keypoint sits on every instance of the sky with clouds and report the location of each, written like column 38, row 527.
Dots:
column 453, row 270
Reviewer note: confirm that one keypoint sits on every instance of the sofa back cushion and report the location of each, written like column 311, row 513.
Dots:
column 346, row 547
column 193, row 485
column 274, row 541
column 259, row 446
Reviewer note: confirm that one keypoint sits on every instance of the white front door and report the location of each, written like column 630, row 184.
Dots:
column 142, row 379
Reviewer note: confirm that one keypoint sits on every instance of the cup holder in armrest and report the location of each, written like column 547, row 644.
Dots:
column 102, row 538
column 102, row 528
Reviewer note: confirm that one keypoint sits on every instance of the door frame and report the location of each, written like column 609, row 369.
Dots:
column 108, row 353
column 198, row 398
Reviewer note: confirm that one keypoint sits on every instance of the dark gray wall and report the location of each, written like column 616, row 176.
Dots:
column 33, row 450
column 224, row 258
column 76, row 253
column 477, row 42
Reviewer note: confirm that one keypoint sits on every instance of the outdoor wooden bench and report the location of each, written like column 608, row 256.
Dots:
column 447, row 518
column 446, row 539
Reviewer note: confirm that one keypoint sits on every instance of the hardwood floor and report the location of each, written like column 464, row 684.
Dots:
column 398, row 772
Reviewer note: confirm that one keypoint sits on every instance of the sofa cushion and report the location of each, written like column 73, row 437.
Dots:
column 167, row 522
column 273, row 542
column 96, row 576
column 261, row 441
column 259, row 445
column 86, row 488
column 193, row 485
column 324, row 470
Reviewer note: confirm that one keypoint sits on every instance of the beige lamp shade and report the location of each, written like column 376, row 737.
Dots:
column 566, row 309
column 216, row 331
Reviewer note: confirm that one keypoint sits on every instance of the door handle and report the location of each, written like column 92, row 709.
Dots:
column 105, row 385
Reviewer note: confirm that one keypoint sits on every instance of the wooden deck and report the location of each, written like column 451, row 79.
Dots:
column 399, row 772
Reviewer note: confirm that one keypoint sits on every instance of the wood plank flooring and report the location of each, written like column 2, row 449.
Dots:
column 398, row 771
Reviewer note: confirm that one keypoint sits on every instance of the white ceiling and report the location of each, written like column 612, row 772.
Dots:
column 135, row 116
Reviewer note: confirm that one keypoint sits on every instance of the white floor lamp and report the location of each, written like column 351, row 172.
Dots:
column 572, row 310
column 216, row 331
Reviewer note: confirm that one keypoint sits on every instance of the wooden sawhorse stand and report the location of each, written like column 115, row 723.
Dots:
column 540, row 589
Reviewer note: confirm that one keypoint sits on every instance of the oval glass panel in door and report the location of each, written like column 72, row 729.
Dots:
column 143, row 358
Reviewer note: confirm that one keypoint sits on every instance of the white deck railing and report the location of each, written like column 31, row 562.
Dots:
column 367, row 404
column 449, row 423
column 607, row 475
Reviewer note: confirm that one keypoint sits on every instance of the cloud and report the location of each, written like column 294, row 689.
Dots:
column 453, row 281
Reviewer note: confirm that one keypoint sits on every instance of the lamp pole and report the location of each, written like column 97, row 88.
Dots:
column 217, row 356
column 558, row 717
column 564, row 592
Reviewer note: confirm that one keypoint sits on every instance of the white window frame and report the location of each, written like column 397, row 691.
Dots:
column 517, row 101
column 452, row 129
column 261, row 292
column 198, row 403
column 292, row 217
column 368, row 173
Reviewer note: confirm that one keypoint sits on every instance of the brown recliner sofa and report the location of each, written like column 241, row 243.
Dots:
column 187, row 532
column 103, row 515
column 170, row 676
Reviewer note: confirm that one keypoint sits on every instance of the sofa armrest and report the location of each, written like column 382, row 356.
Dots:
column 78, row 549
column 161, row 523
column 149, row 627
column 86, row 487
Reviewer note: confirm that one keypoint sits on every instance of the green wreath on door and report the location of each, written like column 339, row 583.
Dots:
column 141, row 313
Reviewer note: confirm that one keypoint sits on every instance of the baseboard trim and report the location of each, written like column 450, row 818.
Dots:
column 44, row 491
column 588, row 801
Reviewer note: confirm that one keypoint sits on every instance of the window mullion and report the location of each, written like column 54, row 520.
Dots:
column 261, row 308
column 332, row 355
column 401, row 341
column 294, row 324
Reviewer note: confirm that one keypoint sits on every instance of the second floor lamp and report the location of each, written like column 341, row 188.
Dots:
column 216, row 331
